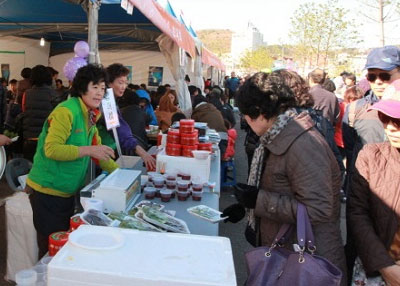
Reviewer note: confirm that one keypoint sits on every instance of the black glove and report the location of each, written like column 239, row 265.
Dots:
column 234, row 212
column 246, row 195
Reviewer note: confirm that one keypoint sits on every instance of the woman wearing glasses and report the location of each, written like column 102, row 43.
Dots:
column 374, row 204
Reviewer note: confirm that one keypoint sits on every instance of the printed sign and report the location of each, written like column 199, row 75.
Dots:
column 109, row 108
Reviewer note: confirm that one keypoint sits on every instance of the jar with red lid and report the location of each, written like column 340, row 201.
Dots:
column 206, row 146
column 189, row 138
column 174, row 149
column 75, row 222
column 56, row 241
column 187, row 150
column 186, row 125
column 173, row 136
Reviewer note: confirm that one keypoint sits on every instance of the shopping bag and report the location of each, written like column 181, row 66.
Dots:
column 279, row 266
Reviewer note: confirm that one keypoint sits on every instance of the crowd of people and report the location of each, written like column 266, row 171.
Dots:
column 299, row 133
column 313, row 140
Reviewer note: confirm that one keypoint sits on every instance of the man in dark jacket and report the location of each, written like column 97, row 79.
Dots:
column 3, row 101
column 206, row 112
column 136, row 117
column 40, row 100
column 361, row 127
column 324, row 100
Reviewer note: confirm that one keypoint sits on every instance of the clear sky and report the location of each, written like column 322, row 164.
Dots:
column 272, row 18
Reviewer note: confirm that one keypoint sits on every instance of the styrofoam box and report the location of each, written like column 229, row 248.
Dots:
column 118, row 190
column 144, row 258
column 195, row 167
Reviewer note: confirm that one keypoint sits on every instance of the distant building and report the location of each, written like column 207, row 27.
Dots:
column 248, row 39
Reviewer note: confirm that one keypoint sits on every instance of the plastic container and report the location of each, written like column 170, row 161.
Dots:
column 75, row 222
column 45, row 260
column 26, row 277
column 56, row 241
column 185, row 176
column 174, row 136
column 211, row 186
column 41, row 271
column 170, row 176
column 187, row 150
column 158, row 181
column 173, row 149
column 186, row 126
column 182, row 195
column 196, row 196
column 149, row 193
column 171, row 184
column 151, row 175
column 197, row 186
column 165, row 195
column 183, row 185
column 200, row 154
column 207, row 146
column 189, row 138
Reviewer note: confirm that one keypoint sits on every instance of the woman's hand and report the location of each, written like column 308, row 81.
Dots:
column 99, row 152
column 4, row 140
column 391, row 275
column 148, row 160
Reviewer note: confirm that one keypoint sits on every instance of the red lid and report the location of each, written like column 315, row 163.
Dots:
column 58, row 238
column 189, row 135
column 174, row 132
column 189, row 147
column 75, row 222
column 186, row 122
column 174, row 146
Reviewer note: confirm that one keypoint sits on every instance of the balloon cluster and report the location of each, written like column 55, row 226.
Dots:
column 81, row 50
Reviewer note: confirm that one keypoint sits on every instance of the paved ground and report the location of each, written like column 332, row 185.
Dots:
column 235, row 232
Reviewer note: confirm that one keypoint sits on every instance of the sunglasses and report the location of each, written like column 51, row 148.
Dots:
column 386, row 120
column 383, row 76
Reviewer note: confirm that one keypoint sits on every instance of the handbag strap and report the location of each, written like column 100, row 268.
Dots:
column 305, row 234
column 284, row 232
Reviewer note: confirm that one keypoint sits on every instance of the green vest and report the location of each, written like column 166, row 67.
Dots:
column 66, row 177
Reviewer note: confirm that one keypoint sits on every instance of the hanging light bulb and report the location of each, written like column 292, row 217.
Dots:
column 42, row 42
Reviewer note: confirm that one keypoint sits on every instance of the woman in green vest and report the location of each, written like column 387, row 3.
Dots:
column 68, row 140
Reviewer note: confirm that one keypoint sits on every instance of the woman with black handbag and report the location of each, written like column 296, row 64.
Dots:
column 293, row 164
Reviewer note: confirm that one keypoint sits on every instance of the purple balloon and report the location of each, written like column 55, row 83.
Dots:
column 81, row 49
column 72, row 66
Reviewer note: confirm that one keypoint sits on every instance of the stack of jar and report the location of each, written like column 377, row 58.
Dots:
column 166, row 186
column 183, row 141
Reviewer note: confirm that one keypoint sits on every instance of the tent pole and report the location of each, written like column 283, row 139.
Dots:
column 93, row 19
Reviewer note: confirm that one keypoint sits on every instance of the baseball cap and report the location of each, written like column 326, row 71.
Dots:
column 388, row 107
column 385, row 58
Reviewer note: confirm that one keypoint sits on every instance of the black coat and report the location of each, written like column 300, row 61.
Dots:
column 136, row 119
column 39, row 102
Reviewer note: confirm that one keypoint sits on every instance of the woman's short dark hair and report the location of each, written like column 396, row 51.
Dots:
column 177, row 116
column 353, row 93
column 130, row 97
column 329, row 85
column 264, row 94
column 85, row 75
column 116, row 70
column 298, row 85
column 26, row 72
column 40, row 76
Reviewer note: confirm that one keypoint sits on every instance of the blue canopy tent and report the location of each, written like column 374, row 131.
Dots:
column 62, row 23
column 105, row 25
